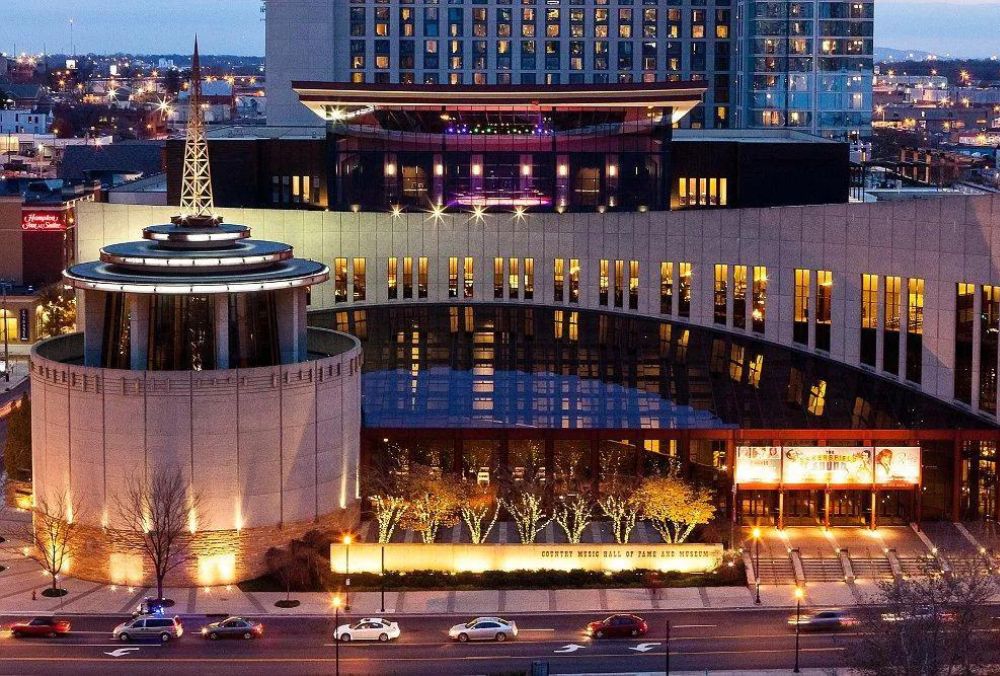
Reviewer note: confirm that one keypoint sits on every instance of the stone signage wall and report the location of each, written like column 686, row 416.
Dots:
column 461, row 558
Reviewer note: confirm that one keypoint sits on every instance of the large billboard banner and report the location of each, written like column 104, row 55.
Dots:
column 883, row 466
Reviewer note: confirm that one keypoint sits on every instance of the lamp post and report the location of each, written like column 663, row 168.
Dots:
column 666, row 651
column 6, row 325
column 347, row 572
column 382, row 580
column 756, row 563
column 798, row 617
column 336, row 626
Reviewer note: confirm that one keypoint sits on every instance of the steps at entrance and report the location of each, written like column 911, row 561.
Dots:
column 776, row 571
column 913, row 566
column 822, row 569
column 871, row 567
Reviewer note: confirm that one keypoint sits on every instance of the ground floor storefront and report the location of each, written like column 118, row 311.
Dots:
column 956, row 478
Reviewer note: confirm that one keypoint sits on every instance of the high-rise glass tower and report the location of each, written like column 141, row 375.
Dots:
column 805, row 65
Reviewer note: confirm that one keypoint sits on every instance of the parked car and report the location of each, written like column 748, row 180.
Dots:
column 367, row 629
column 233, row 627
column 40, row 626
column 918, row 614
column 484, row 629
column 618, row 625
column 163, row 628
column 816, row 620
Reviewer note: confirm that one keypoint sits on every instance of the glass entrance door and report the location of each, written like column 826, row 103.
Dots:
column 849, row 508
column 803, row 508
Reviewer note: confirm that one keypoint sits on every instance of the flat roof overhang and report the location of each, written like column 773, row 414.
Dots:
column 337, row 100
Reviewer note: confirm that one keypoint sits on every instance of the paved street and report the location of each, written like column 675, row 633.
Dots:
column 756, row 639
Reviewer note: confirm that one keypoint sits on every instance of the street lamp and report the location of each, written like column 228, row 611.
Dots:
column 382, row 580
column 347, row 572
column 336, row 637
column 756, row 563
column 798, row 617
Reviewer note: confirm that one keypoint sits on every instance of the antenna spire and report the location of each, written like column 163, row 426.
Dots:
column 197, row 203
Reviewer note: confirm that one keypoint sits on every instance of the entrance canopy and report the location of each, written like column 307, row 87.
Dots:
column 437, row 108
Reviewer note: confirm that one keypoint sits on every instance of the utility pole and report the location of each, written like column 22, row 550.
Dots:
column 666, row 651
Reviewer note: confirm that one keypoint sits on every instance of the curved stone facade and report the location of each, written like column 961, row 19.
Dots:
column 267, row 449
column 942, row 242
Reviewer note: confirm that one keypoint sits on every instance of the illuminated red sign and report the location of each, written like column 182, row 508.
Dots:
column 43, row 220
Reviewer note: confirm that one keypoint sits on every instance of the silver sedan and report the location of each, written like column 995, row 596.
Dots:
column 484, row 629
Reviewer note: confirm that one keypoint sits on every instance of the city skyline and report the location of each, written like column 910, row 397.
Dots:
column 236, row 28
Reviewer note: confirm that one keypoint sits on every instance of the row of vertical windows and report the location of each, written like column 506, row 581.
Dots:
column 513, row 277
column 626, row 276
column 892, row 324
column 703, row 192
column 965, row 344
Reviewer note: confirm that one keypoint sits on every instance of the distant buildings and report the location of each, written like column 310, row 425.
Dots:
column 19, row 121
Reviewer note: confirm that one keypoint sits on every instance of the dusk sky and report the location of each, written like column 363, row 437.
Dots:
column 964, row 27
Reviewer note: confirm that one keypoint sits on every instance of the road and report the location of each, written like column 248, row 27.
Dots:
column 699, row 640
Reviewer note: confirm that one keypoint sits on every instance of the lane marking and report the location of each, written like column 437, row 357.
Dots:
column 122, row 652
column 692, row 626
column 644, row 647
column 571, row 648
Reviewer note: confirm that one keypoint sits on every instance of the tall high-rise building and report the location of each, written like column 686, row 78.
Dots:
column 805, row 65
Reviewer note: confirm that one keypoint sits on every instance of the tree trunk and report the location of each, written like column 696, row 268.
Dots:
column 159, row 586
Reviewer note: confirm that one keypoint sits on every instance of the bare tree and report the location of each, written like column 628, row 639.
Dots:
column 574, row 515
column 620, row 506
column 480, row 509
column 929, row 625
column 526, row 507
column 54, row 532
column 159, row 510
column 289, row 569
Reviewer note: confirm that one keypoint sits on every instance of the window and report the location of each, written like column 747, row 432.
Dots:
column 965, row 317
column 408, row 277
column 359, row 279
column 340, row 280
column 800, row 327
column 529, row 279
column 422, row 277
column 817, row 398
column 513, row 278
column 684, row 300
column 740, row 296
column 633, row 285
column 721, row 293
column 468, row 277
column 574, row 280
column 759, row 313
column 890, row 338
column 702, row 192
column 602, row 283
column 824, row 297
column 498, row 278
column 869, row 319
column 453, row 277
column 988, row 343
column 558, row 273
column 392, row 277
column 619, row 283
column 666, row 288
column 915, row 330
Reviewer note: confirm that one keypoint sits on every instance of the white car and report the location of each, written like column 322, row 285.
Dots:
column 484, row 629
column 367, row 629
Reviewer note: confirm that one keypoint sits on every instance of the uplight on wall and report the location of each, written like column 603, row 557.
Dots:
column 563, row 170
column 477, row 169
column 439, row 169
column 612, row 170
column 525, row 170
column 390, row 169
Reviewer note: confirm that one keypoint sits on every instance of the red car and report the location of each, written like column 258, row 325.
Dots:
column 40, row 626
column 618, row 625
